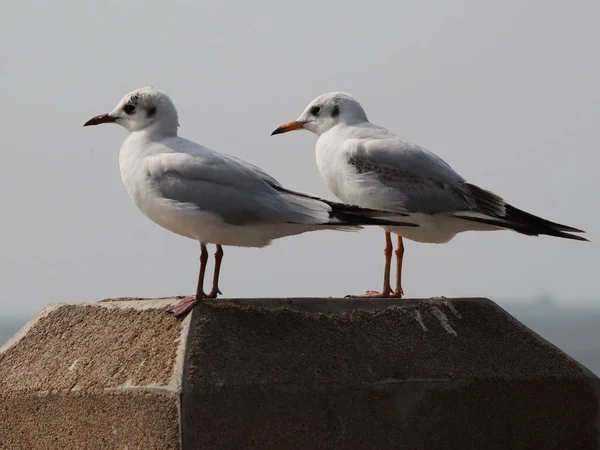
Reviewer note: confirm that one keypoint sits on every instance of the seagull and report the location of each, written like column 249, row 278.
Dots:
column 210, row 197
column 367, row 165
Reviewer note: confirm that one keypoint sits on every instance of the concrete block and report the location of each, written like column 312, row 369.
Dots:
column 291, row 374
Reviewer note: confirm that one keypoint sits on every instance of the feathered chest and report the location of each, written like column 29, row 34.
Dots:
column 333, row 168
column 340, row 175
column 136, row 178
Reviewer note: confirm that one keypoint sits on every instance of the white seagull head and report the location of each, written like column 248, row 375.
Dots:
column 146, row 108
column 325, row 112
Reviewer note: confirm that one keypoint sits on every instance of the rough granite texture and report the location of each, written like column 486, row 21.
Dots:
column 86, row 376
column 88, row 347
column 292, row 374
column 90, row 420
column 417, row 374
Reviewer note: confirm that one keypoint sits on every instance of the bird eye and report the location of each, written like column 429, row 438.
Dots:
column 129, row 108
column 315, row 110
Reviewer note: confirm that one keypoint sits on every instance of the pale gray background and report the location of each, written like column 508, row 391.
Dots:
column 507, row 92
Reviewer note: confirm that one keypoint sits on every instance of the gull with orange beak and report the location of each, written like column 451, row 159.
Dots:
column 290, row 126
column 367, row 165
column 210, row 197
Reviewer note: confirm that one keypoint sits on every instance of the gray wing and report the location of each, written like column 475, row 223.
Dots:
column 236, row 191
column 257, row 170
column 417, row 179
column 402, row 173
column 295, row 196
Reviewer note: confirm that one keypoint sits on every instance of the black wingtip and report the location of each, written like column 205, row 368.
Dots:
column 571, row 230
column 519, row 216
column 576, row 238
column 563, row 235
column 533, row 226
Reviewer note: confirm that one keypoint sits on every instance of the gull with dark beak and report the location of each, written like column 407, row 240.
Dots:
column 366, row 165
column 210, row 197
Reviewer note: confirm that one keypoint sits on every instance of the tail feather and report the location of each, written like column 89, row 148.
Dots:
column 354, row 215
column 492, row 210
column 515, row 214
column 528, row 230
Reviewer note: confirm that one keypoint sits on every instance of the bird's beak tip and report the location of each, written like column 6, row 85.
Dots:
column 97, row 120
column 290, row 126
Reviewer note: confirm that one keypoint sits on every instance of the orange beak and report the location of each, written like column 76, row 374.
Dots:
column 290, row 126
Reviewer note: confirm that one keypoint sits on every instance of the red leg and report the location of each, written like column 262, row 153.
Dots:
column 399, row 292
column 215, row 287
column 187, row 303
column 387, row 289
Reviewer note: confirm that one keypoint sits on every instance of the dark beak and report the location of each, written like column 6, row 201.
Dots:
column 290, row 126
column 102, row 118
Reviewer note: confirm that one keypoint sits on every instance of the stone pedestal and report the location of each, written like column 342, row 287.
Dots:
column 291, row 374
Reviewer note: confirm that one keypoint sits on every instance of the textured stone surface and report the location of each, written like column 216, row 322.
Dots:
column 90, row 420
column 93, row 376
column 380, row 374
column 84, row 347
column 293, row 374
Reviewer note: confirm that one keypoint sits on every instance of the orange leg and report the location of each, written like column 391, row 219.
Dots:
column 203, row 260
column 399, row 292
column 187, row 303
column 387, row 289
column 215, row 287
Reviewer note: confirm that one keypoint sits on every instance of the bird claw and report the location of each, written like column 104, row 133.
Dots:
column 185, row 305
column 388, row 293
column 370, row 294
column 214, row 293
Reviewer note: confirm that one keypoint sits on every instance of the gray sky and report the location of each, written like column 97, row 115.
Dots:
column 506, row 92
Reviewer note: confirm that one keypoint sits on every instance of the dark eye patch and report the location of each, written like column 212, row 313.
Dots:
column 151, row 111
column 129, row 108
column 315, row 110
column 336, row 111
